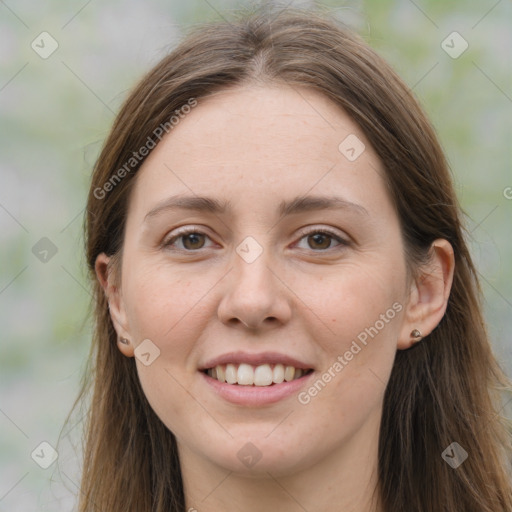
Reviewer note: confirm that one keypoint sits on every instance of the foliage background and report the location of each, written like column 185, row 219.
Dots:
column 55, row 112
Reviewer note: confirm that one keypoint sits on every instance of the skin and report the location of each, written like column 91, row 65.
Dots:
column 304, row 296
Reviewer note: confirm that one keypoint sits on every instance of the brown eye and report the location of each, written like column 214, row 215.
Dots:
column 321, row 240
column 191, row 240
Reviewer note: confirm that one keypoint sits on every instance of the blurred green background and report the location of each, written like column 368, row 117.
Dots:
column 55, row 113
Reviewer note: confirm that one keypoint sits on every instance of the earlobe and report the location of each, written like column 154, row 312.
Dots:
column 429, row 295
column 105, row 274
column 125, row 347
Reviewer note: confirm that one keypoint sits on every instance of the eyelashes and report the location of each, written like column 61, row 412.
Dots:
column 196, row 243
column 325, row 234
column 182, row 235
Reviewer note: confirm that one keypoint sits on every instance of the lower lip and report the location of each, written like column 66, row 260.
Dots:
column 256, row 395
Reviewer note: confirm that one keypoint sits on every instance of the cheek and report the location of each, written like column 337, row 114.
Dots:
column 348, row 299
column 358, row 316
column 161, row 303
column 349, row 388
column 166, row 309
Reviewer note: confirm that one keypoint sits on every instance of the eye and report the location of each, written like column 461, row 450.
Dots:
column 192, row 240
column 321, row 239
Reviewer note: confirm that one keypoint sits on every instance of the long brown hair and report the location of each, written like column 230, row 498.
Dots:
column 446, row 389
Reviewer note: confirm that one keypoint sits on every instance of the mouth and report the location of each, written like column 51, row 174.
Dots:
column 263, row 375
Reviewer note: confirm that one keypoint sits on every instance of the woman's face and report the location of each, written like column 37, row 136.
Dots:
column 294, row 260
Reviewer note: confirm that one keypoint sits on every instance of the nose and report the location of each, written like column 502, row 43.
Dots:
column 255, row 296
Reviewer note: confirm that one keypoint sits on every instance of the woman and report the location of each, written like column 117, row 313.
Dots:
column 287, row 315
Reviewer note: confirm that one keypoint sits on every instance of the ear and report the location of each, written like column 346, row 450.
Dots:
column 429, row 294
column 107, row 278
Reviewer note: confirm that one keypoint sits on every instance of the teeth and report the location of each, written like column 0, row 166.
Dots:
column 248, row 375
column 245, row 375
column 278, row 374
column 263, row 375
column 221, row 373
column 289, row 373
column 231, row 374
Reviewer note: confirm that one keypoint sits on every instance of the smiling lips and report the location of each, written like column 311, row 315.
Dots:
column 250, row 375
column 259, row 370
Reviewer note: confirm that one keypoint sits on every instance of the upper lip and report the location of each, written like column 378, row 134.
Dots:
column 255, row 359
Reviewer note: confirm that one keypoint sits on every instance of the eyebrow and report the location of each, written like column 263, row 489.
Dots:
column 290, row 207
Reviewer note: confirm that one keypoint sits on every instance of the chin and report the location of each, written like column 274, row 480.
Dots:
column 257, row 456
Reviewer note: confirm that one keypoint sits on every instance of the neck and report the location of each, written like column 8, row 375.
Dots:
column 346, row 480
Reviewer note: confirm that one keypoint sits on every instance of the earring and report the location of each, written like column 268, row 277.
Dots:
column 124, row 341
column 416, row 335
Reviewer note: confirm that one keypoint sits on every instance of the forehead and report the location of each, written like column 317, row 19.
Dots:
column 279, row 120
column 257, row 143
